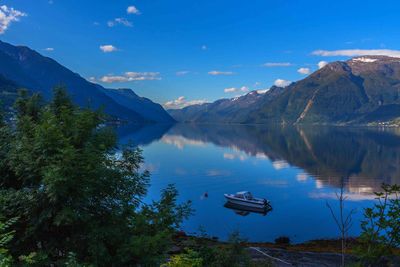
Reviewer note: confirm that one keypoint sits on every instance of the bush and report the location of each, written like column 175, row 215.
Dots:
column 188, row 259
column 381, row 226
column 282, row 240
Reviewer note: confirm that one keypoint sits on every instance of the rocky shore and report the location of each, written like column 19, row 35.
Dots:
column 315, row 253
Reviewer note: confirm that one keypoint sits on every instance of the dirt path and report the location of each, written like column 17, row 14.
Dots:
column 285, row 258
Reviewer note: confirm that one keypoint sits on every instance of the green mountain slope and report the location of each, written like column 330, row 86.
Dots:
column 363, row 90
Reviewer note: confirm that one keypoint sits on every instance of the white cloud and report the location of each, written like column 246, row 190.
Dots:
column 263, row 91
column 280, row 164
column 261, row 156
column 180, row 142
column 182, row 72
column 301, row 177
column 357, row 52
column 348, row 196
column 232, row 156
column 7, row 16
column 322, row 64
column 49, row 49
column 319, row 184
column 181, row 102
column 132, row 10
column 91, row 79
column 113, row 79
column 108, row 48
column 122, row 21
column 229, row 156
column 215, row 72
column 215, row 173
column 242, row 89
column 204, row 47
column 230, row 90
column 141, row 76
column 274, row 182
column 277, row 64
column 281, row 83
column 304, row 71
column 131, row 76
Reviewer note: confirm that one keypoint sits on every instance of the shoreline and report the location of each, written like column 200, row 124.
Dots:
column 320, row 252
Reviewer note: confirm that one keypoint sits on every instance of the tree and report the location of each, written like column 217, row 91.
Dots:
column 343, row 221
column 381, row 225
column 76, row 192
column 5, row 237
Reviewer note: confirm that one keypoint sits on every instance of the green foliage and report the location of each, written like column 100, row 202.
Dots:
column 188, row 259
column 77, row 195
column 229, row 255
column 203, row 253
column 381, row 226
column 6, row 236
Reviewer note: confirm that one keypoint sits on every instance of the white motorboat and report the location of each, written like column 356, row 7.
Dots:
column 245, row 198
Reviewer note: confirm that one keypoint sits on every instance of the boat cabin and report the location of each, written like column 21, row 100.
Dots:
column 244, row 195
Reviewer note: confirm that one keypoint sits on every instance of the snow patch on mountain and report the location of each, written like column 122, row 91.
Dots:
column 365, row 59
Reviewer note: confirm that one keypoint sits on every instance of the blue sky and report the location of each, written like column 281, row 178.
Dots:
column 192, row 51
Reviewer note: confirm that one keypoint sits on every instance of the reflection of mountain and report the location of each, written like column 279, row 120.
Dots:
column 364, row 157
column 141, row 134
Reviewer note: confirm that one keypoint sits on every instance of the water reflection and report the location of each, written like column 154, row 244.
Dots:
column 244, row 211
column 364, row 157
column 297, row 168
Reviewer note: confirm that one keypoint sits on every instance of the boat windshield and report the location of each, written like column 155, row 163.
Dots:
column 244, row 195
column 248, row 196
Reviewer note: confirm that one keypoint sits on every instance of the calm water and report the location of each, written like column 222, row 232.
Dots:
column 297, row 169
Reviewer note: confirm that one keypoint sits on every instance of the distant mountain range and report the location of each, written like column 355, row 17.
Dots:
column 234, row 110
column 21, row 66
column 363, row 90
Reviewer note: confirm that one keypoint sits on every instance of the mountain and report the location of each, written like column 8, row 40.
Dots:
column 29, row 69
column 359, row 91
column 8, row 91
column 141, row 105
column 362, row 90
column 234, row 110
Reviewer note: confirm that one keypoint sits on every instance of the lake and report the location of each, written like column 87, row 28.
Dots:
column 299, row 169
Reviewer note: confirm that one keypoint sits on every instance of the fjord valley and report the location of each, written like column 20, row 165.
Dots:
column 21, row 67
column 199, row 133
column 363, row 90
column 287, row 136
